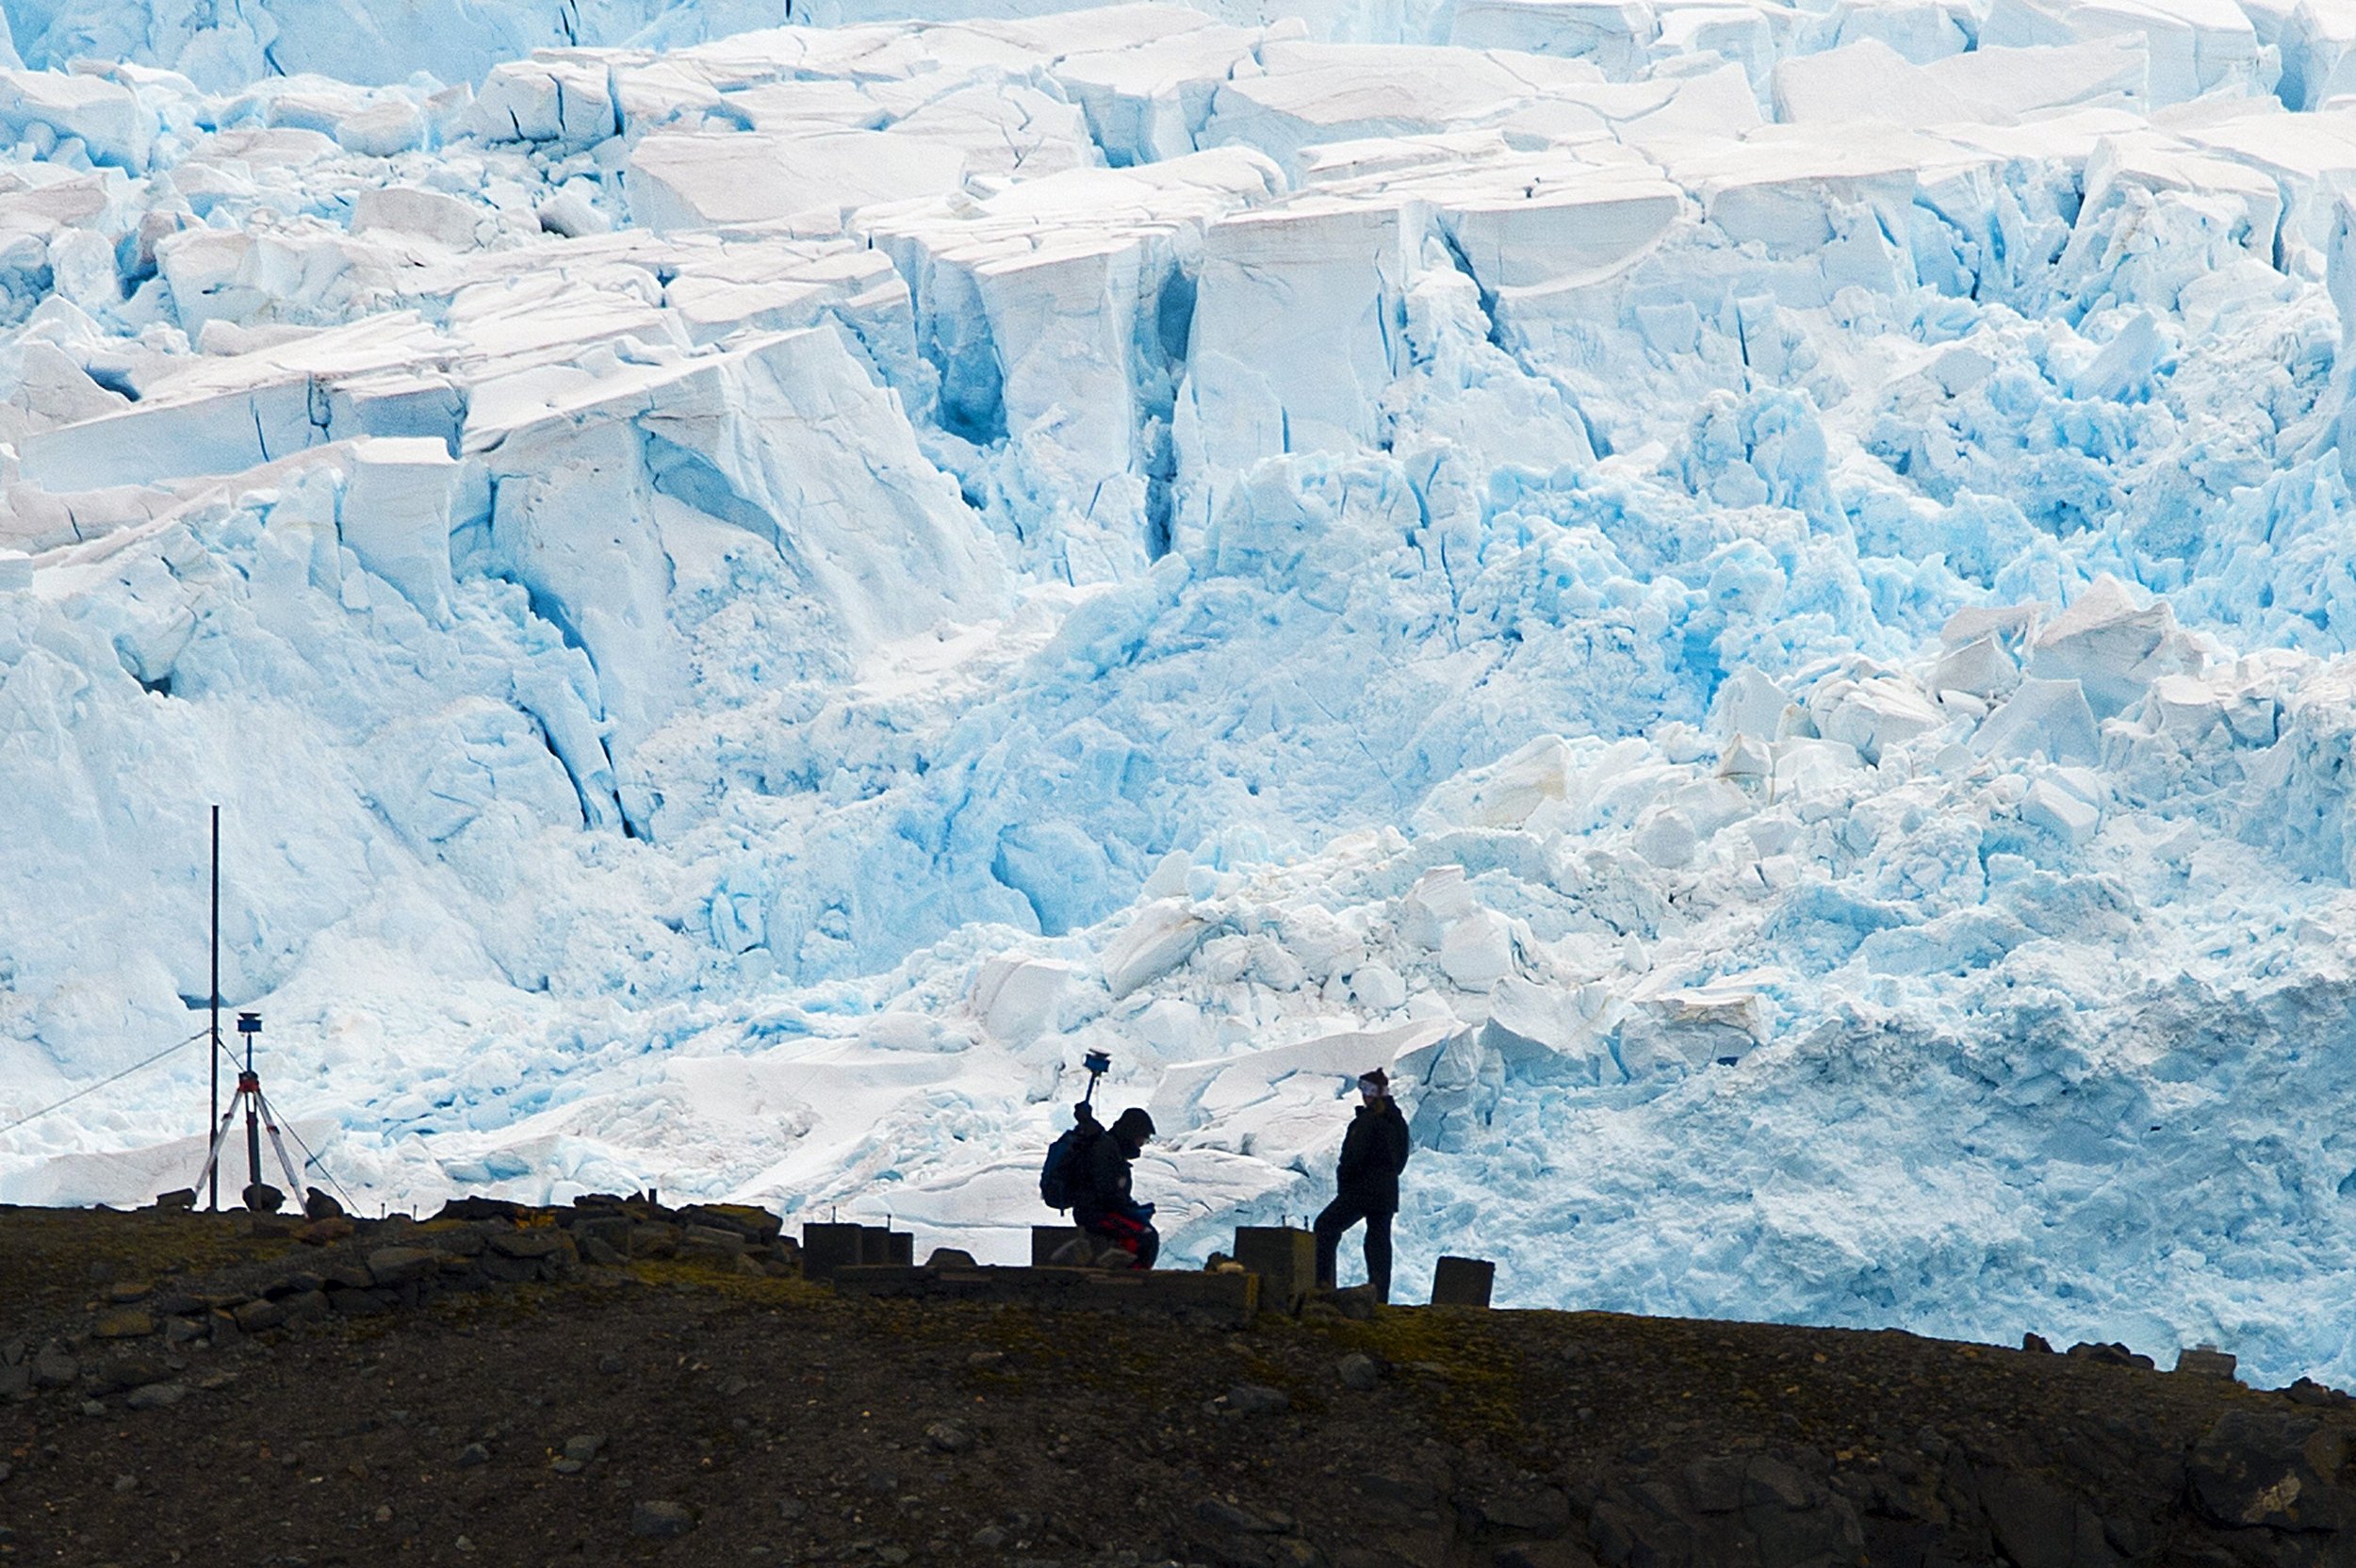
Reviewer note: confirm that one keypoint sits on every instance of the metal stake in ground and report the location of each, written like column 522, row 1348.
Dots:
column 258, row 1115
column 213, row 1115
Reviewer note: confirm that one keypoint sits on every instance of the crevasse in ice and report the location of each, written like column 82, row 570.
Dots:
column 1753, row 597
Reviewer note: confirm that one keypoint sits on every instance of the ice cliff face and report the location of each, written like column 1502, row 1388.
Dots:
column 1756, row 599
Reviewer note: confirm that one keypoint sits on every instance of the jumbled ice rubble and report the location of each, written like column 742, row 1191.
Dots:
column 1750, row 602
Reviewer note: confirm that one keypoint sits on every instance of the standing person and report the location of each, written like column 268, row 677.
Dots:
column 1103, row 1207
column 1374, row 1152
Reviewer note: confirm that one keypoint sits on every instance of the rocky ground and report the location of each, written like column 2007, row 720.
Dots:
column 188, row 1388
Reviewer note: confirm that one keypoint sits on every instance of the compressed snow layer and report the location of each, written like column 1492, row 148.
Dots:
column 1755, row 602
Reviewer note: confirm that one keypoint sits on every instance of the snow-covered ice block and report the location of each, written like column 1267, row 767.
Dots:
column 2312, row 159
column 222, row 416
column 1060, row 309
column 1617, row 35
column 787, row 436
column 2060, row 811
column 2128, row 170
column 2043, row 717
column 1291, row 346
column 2010, row 82
column 2197, row 45
column 2317, row 45
column 409, row 209
column 1163, row 935
column 1005, row 128
column 702, row 180
column 548, row 98
column 1980, row 667
column 1146, row 100
column 1297, row 95
column 1021, row 999
column 108, row 119
column 396, row 517
column 2112, row 646
column 1872, row 715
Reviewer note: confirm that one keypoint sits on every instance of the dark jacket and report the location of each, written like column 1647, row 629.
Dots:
column 1107, row 1187
column 1373, row 1154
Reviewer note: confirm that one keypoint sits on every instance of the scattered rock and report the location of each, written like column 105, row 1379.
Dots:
column 130, row 1372
column 472, row 1455
column 528, row 1246
column 127, row 1290
column 596, row 1251
column 1545, row 1554
column 398, row 1265
column 261, row 1198
column 1222, row 1514
column 1258, row 1399
column 178, row 1198
column 950, row 1257
column 53, row 1367
column 989, row 1538
column 986, row 1359
column 948, row 1437
column 611, row 1362
column 1359, row 1372
column 2306, row 1391
column 125, row 1323
column 2109, row 1355
column 91, row 1407
column 661, row 1521
column 157, row 1396
column 254, row 1316
column 584, row 1446
column 2255, row 1469
column 321, row 1205
column 2037, row 1343
column 326, row 1232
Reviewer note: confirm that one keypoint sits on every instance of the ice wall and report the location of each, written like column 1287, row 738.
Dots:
column 1753, row 599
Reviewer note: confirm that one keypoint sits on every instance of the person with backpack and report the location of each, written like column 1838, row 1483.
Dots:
column 1374, row 1152
column 1102, row 1204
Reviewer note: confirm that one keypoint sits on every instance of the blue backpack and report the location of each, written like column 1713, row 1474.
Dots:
column 1064, row 1176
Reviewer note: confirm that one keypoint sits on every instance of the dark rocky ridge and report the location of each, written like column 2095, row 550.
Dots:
column 188, row 1388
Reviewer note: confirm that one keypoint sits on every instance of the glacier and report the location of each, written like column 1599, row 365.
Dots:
column 1754, row 598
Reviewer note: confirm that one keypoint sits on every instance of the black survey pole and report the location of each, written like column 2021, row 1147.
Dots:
column 213, row 1120
column 250, row 1024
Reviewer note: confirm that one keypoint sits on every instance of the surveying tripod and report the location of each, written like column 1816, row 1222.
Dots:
column 258, row 1116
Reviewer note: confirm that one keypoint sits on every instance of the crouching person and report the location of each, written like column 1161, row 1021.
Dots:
column 1103, row 1207
column 1374, row 1152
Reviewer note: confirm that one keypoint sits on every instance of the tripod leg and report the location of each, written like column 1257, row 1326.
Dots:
column 294, row 1182
column 212, row 1159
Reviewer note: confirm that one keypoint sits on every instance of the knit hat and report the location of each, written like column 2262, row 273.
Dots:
column 1133, row 1123
column 1376, row 1081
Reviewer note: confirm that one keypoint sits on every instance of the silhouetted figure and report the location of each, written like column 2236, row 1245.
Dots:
column 1103, row 1207
column 1373, row 1154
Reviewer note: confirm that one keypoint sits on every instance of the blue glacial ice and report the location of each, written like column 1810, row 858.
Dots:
column 1756, row 600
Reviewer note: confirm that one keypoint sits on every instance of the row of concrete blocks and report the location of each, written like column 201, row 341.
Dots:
column 1283, row 1256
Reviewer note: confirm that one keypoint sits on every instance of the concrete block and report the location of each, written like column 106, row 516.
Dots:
column 2206, row 1361
column 880, row 1247
column 1047, row 1240
column 1284, row 1257
column 829, row 1247
column 1462, row 1282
